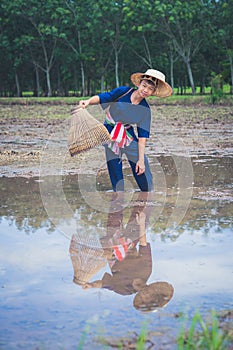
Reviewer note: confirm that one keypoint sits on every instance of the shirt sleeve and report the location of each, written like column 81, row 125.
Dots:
column 143, row 127
column 107, row 97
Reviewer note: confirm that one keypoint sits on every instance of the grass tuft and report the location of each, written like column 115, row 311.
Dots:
column 202, row 336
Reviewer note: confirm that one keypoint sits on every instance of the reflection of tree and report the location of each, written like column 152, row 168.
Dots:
column 210, row 207
column 22, row 204
column 207, row 171
column 211, row 204
column 201, row 215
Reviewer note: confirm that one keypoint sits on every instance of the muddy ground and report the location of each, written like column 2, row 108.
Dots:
column 28, row 128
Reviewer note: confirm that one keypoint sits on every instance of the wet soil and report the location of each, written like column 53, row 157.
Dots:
column 26, row 129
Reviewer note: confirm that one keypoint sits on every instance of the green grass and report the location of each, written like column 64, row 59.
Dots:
column 188, row 100
column 83, row 337
column 207, row 90
column 184, row 100
column 174, row 99
column 202, row 335
column 188, row 91
column 199, row 335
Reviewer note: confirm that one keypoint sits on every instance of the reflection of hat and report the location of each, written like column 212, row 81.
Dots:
column 163, row 89
column 153, row 296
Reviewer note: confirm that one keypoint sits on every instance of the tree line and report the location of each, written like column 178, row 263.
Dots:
column 63, row 47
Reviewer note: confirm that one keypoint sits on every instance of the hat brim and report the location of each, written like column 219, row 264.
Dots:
column 158, row 295
column 163, row 89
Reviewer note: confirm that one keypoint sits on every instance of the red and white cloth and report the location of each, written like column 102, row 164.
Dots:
column 120, row 246
column 120, row 137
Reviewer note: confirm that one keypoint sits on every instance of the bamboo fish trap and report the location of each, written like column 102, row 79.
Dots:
column 85, row 132
column 86, row 260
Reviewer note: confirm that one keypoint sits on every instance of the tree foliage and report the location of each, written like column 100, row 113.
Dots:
column 54, row 47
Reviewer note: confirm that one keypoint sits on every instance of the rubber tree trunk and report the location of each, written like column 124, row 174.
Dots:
column 117, row 68
column 190, row 75
column 17, row 85
column 48, row 83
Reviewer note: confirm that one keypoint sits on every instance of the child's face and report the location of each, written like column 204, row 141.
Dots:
column 138, row 284
column 146, row 89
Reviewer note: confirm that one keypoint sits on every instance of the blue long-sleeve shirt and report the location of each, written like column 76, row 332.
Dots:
column 126, row 112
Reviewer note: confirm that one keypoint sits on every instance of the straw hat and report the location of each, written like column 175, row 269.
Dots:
column 163, row 89
column 153, row 296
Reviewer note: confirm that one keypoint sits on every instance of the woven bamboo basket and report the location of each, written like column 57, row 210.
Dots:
column 85, row 132
column 86, row 261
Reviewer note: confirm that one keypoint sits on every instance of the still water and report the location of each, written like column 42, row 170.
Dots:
column 58, row 236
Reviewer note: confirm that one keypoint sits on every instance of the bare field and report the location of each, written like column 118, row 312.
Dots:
column 192, row 130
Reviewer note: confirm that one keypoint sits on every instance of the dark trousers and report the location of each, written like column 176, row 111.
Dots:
column 114, row 164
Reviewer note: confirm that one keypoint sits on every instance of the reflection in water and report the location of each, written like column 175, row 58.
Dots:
column 40, row 305
column 21, row 203
column 210, row 207
column 128, row 254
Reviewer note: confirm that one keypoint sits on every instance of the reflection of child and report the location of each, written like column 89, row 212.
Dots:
column 129, row 276
column 129, row 257
column 151, row 297
column 135, row 266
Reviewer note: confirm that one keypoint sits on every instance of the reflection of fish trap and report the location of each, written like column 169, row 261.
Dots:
column 85, row 132
column 86, row 260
